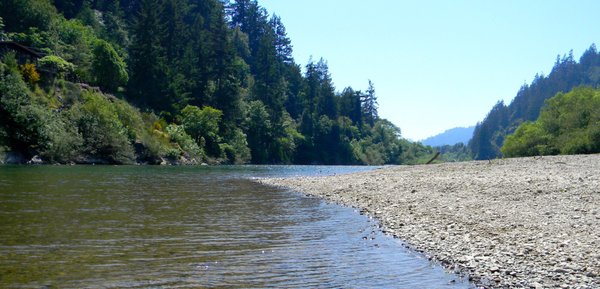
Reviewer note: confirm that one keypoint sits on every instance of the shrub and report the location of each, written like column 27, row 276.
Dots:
column 568, row 124
column 65, row 142
column 30, row 74
column 178, row 135
column 203, row 124
column 104, row 136
column 56, row 66
column 236, row 149
column 21, row 119
column 108, row 67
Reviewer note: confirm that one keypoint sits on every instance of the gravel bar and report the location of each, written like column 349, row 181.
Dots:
column 506, row 223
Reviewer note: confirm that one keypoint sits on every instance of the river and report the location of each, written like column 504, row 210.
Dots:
column 191, row 227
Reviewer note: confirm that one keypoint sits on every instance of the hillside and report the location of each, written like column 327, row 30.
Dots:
column 156, row 81
column 568, row 124
column 450, row 137
column 503, row 120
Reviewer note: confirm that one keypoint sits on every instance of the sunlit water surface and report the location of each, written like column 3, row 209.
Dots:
column 190, row 227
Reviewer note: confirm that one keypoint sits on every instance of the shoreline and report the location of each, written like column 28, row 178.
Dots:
column 523, row 222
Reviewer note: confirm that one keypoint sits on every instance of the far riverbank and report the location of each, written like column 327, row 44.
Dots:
column 526, row 222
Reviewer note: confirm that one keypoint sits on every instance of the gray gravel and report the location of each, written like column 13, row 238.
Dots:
column 526, row 222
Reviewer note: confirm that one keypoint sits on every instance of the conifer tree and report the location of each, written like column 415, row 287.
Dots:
column 283, row 45
column 148, row 82
column 370, row 105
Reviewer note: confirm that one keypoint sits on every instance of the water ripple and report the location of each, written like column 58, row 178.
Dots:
column 132, row 227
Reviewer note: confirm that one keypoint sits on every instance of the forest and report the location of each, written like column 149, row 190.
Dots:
column 503, row 120
column 177, row 81
column 569, row 123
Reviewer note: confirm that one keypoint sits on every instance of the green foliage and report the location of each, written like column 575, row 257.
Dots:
column 416, row 153
column 19, row 15
column 148, row 71
column 203, row 126
column 258, row 127
column 56, row 65
column 2, row 33
column 9, row 63
column 455, row 153
column 236, row 149
column 233, row 89
column 527, row 105
column 104, row 135
column 65, row 144
column 29, row 127
column 369, row 105
column 184, row 144
column 530, row 139
column 569, row 124
column 286, row 144
column 22, row 121
column 107, row 67
column 75, row 45
column 383, row 146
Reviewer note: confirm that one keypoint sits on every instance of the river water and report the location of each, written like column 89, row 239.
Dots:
column 191, row 227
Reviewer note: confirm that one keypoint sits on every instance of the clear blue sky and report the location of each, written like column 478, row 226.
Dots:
column 437, row 64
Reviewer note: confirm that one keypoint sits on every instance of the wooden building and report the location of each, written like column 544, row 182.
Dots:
column 23, row 54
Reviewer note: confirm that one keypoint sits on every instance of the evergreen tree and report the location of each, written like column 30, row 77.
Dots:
column 566, row 74
column 350, row 105
column 226, row 91
column 148, row 81
column 370, row 105
column 326, row 98
column 227, row 96
column 252, row 20
column 295, row 87
column 283, row 45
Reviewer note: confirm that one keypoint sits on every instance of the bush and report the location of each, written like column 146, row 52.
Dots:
column 65, row 142
column 236, row 149
column 185, row 143
column 56, row 66
column 203, row 124
column 530, row 139
column 104, row 136
column 108, row 67
column 568, row 124
column 29, row 73
column 22, row 120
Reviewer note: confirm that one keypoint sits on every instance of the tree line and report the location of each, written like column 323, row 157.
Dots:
column 503, row 120
column 569, row 123
column 209, row 80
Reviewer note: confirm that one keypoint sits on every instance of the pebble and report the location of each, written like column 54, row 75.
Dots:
column 523, row 222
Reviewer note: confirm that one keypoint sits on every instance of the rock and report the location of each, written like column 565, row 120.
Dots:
column 536, row 285
column 561, row 271
column 35, row 160
column 518, row 214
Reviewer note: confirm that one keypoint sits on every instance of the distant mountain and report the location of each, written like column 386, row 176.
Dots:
column 450, row 137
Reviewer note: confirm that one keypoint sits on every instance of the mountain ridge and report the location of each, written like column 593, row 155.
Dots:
column 450, row 137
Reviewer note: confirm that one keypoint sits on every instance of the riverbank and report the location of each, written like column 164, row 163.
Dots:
column 526, row 222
